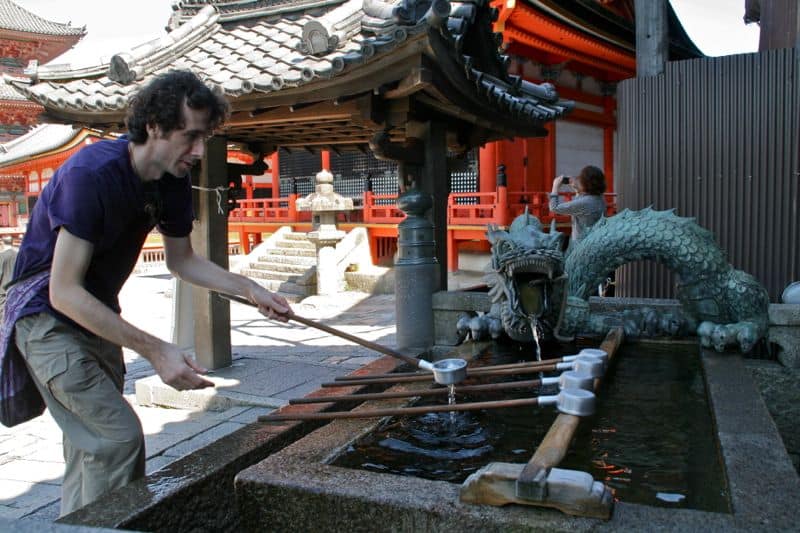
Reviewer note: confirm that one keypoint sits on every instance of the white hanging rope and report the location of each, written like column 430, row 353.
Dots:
column 219, row 191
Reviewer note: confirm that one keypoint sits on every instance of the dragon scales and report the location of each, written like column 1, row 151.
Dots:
column 531, row 282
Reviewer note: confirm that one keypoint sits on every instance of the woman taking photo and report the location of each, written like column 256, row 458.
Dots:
column 588, row 205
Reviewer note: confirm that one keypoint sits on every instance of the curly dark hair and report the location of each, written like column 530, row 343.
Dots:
column 593, row 180
column 160, row 103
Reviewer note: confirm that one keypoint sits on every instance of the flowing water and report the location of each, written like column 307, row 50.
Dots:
column 651, row 440
column 451, row 400
column 536, row 342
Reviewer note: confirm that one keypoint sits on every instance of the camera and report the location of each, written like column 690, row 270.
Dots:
column 565, row 180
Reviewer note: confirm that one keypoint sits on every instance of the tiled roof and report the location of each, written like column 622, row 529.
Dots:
column 9, row 93
column 38, row 140
column 13, row 17
column 252, row 50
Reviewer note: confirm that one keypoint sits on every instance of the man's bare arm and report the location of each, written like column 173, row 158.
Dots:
column 188, row 266
column 68, row 296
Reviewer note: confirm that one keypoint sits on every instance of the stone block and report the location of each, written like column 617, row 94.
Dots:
column 784, row 315
column 788, row 338
column 448, row 306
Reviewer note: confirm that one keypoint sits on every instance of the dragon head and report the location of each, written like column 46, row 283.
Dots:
column 526, row 277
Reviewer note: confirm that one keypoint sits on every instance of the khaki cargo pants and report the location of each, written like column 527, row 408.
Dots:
column 81, row 379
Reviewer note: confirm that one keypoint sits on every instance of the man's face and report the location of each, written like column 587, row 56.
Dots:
column 177, row 151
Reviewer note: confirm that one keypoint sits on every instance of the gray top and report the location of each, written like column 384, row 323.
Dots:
column 585, row 210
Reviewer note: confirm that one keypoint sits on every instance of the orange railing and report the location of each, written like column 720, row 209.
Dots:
column 470, row 208
column 463, row 208
column 265, row 210
column 468, row 213
column 381, row 209
column 501, row 207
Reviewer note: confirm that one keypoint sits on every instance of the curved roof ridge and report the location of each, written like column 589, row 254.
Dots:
column 324, row 34
column 9, row 92
column 41, row 138
column 150, row 52
column 16, row 18
column 238, row 10
column 127, row 67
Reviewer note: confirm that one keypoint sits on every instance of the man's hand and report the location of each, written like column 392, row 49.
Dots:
column 179, row 370
column 270, row 304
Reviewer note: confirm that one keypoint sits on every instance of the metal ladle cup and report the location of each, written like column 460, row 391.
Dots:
column 571, row 379
column 576, row 402
column 584, row 364
column 446, row 371
column 597, row 353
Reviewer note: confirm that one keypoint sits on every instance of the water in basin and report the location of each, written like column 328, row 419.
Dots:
column 651, row 441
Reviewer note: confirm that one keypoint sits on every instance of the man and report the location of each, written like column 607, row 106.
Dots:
column 87, row 230
column 8, row 256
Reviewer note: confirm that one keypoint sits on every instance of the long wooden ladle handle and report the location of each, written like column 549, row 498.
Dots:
column 333, row 331
column 399, row 411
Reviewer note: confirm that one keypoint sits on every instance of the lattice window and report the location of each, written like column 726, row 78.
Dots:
column 299, row 168
column 466, row 180
column 350, row 171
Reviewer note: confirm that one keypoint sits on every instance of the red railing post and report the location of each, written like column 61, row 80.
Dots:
column 368, row 202
column 501, row 214
column 244, row 241
column 293, row 216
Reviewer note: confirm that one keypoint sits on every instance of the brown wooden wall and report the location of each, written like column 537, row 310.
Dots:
column 717, row 139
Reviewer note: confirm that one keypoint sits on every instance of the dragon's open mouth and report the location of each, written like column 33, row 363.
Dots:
column 530, row 288
column 533, row 290
column 526, row 280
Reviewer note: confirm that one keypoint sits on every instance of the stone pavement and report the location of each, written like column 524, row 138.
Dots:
column 272, row 363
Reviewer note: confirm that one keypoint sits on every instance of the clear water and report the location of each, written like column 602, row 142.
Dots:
column 651, row 440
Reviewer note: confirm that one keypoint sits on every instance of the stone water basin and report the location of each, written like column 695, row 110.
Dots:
column 651, row 440
column 737, row 476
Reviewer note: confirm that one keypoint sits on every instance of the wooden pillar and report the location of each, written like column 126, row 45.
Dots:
column 212, row 317
column 549, row 163
column 652, row 43
column 487, row 167
column 780, row 25
column 436, row 182
column 326, row 160
column 511, row 154
column 609, row 105
column 276, row 174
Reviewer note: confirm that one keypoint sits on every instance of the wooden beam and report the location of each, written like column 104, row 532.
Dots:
column 652, row 40
column 780, row 25
column 436, row 182
column 316, row 112
column 419, row 79
column 212, row 317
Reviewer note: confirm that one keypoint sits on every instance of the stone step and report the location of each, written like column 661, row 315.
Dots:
column 302, row 252
column 297, row 260
column 281, row 267
column 300, row 291
column 286, row 288
column 295, row 236
column 286, row 243
column 271, row 274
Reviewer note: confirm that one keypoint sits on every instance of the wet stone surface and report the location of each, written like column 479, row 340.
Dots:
column 780, row 389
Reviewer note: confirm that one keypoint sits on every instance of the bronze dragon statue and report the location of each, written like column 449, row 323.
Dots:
column 536, row 289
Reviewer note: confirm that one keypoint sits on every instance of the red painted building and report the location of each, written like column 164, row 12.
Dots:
column 26, row 40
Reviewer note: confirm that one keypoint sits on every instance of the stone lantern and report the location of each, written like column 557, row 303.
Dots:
column 325, row 205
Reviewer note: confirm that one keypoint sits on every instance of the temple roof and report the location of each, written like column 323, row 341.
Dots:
column 597, row 37
column 15, row 18
column 38, row 140
column 7, row 92
column 344, row 69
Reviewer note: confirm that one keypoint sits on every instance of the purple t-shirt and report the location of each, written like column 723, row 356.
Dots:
column 97, row 197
